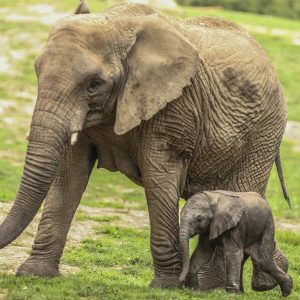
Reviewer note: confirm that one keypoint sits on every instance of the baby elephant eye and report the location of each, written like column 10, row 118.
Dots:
column 93, row 85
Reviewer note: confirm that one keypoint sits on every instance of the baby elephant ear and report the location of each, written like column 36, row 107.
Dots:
column 160, row 63
column 229, row 211
column 82, row 8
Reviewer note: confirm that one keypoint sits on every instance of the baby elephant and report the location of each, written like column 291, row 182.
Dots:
column 240, row 223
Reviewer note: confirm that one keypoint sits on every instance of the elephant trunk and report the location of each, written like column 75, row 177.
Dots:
column 48, row 135
column 184, row 245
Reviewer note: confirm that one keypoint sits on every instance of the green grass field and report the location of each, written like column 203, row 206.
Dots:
column 115, row 263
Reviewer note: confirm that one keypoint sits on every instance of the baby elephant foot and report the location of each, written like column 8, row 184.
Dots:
column 262, row 281
column 233, row 288
column 38, row 268
column 287, row 287
column 170, row 282
column 234, row 291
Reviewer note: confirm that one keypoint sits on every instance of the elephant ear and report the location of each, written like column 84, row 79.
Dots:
column 160, row 63
column 229, row 211
column 82, row 8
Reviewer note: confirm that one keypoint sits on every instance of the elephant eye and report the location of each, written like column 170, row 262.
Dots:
column 93, row 85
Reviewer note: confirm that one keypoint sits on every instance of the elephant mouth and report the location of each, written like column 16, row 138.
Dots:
column 95, row 108
column 94, row 117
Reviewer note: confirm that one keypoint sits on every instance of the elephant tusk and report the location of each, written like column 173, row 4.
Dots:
column 74, row 138
column 27, row 136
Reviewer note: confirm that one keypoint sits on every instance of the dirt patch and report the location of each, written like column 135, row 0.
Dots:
column 9, row 120
column 294, row 36
column 127, row 217
column 4, row 104
column 283, row 224
column 292, row 133
column 44, row 14
column 14, row 254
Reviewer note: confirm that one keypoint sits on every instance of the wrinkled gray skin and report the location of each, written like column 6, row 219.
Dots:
column 239, row 223
column 177, row 106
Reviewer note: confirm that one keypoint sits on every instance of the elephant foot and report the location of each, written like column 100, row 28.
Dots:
column 234, row 291
column 261, row 281
column 170, row 282
column 192, row 281
column 38, row 268
column 287, row 287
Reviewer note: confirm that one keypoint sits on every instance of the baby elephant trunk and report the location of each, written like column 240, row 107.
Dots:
column 184, row 245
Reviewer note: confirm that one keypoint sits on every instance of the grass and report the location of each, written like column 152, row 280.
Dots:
column 116, row 263
column 290, row 159
column 82, row 216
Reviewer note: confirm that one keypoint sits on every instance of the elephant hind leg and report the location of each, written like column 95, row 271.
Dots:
column 261, row 281
column 263, row 254
column 283, row 279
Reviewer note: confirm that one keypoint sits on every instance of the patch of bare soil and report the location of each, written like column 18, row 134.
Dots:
column 283, row 224
column 14, row 254
column 294, row 36
column 292, row 132
column 44, row 14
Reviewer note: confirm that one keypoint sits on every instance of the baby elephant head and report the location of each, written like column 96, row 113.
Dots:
column 212, row 212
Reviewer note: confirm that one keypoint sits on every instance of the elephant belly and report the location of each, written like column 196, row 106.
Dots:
column 113, row 160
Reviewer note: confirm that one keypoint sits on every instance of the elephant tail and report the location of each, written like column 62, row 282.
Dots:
column 281, row 178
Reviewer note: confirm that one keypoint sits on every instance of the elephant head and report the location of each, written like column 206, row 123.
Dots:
column 96, row 69
column 207, row 212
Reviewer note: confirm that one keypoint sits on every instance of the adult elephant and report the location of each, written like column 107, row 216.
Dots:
column 177, row 106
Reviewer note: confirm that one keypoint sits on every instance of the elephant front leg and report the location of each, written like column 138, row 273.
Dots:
column 234, row 255
column 245, row 257
column 233, row 263
column 164, row 239
column 161, row 180
column 61, row 203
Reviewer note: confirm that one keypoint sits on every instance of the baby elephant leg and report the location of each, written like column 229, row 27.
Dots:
column 233, row 262
column 283, row 279
column 261, row 281
column 264, row 255
column 245, row 257
column 233, row 266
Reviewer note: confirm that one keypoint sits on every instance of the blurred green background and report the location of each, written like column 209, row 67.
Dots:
column 281, row 8
column 112, row 261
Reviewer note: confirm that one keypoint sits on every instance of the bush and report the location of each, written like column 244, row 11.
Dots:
column 283, row 8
